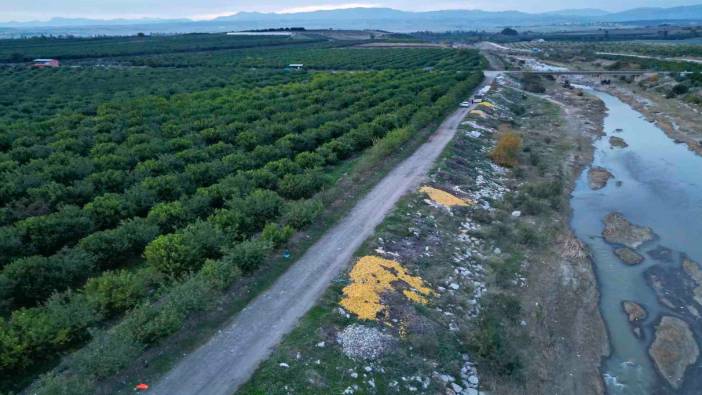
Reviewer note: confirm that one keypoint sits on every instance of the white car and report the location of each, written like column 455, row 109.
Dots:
column 464, row 104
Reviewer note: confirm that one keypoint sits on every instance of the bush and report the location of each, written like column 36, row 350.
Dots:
column 506, row 151
column 47, row 234
column 300, row 186
column 115, row 247
column 106, row 211
column 179, row 253
column 532, row 83
column 679, row 89
column 118, row 291
column 492, row 342
column 301, row 213
column 276, row 234
column 247, row 255
column 168, row 216
column 28, row 281
column 60, row 322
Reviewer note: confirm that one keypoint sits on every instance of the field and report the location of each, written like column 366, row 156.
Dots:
column 147, row 175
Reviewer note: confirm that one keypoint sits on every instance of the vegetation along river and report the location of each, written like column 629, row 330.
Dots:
column 656, row 184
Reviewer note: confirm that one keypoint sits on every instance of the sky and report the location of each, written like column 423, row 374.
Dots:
column 25, row 10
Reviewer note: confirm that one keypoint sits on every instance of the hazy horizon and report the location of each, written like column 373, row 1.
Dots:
column 22, row 11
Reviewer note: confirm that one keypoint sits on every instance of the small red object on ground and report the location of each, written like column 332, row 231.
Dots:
column 141, row 387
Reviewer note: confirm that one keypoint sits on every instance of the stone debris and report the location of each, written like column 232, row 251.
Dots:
column 363, row 342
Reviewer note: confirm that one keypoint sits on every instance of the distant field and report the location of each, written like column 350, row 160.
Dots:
column 173, row 162
column 19, row 50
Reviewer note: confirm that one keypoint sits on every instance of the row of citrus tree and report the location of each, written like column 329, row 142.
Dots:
column 228, row 207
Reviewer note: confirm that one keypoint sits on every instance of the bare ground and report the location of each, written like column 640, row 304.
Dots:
column 228, row 359
column 568, row 336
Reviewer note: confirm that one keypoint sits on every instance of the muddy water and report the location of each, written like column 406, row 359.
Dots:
column 661, row 187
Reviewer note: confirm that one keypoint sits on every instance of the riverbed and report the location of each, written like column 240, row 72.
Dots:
column 657, row 183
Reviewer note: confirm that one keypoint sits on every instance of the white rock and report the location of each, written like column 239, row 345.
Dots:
column 320, row 344
column 368, row 369
column 446, row 378
column 283, row 365
column 456, row 387
column 354, row 375
column 371, row 382
column 454, row 286
column 516, row 213
column 497, row 251
column 471, row 391
column 473, row 379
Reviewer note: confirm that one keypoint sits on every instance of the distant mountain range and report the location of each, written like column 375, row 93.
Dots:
column 358, row 18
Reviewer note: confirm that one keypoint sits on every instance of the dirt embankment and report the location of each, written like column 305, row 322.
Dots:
column 568, row 335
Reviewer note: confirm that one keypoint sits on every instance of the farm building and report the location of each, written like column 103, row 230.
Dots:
column 295, row 66
column 41, row 63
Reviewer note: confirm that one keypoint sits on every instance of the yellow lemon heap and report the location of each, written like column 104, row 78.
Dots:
column 370, row 278
column 487, row 104
column 444, row 198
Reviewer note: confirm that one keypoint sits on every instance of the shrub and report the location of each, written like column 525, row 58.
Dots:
column 47, row 234
column 115, row 246
column 300, row 186
column 27, row 281
column 106, row 211
column 301, row 213
column 491, row 341
column 118, row 291
column 176, row 254
column 532, row 83
column 276, row 234
column 679, row 89
column 168, row 216
column 247, row 255
column 507, row 149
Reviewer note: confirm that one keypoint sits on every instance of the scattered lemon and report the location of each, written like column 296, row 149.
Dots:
column 370, row 277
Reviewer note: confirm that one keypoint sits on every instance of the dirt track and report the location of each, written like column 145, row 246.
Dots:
column 227, row 360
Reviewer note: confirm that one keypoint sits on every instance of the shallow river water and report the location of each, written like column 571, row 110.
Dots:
column 658, row 184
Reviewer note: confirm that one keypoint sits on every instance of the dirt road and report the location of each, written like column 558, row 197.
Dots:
column 227, row 360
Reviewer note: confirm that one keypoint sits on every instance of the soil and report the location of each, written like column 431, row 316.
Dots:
column 673, row 349
column 597, row 177
column 636, row 314
column 628, row 256
column 567, row 333
column 618, row 230
column 617, row 142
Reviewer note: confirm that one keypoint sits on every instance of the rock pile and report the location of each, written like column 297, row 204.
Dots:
column 363, row 342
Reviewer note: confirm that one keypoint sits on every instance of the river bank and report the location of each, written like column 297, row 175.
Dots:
column 679, row 120
column 647, row 211
column 569, row 336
